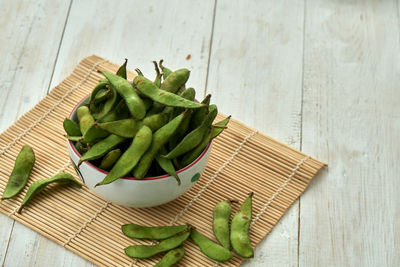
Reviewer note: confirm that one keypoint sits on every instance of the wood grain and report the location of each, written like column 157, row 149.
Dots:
column 351, row 120
column 262, row 45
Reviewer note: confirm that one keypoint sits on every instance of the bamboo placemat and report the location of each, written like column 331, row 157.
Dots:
column 242, row 161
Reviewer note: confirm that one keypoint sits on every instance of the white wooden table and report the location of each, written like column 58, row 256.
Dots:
column 321, row 76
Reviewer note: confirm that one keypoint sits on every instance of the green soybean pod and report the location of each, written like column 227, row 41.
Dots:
column 37, row 186
column 102, row 96
column 125, row 128
column 152, row 232
column 175, row 80
column 105, row 108
column 240, row 226
column 108, row 161
column 166, row 71
column 200, row 114
column 210, row 248
column 124, row 88
column 94, row 134
column 81, row 147
column 148, row 103
column 71, row 127
column 190, row 156
column 103, row 85
column 171, row 258
column 85, row 118
column 167, row 165
column 221, row 217
column 101, row 148
column 160, row 137
column 156, row 121
column 219, row 127
column 150, row 90
column 119, row 112
column 157, row 80
column 143, row 251
column 121, row 72
column 74, row 138
column 192, row 139
column 131, row 156
column 19, row 176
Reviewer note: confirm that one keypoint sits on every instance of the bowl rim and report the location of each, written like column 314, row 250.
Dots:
column 133, row 178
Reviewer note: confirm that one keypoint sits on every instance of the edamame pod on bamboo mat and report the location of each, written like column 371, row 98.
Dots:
column 221, row 217
column 192, row 139
column 240, row 226
column 160, row 137
column 171, row 258
column 150, row 90
column 124, row 88
column 71, row 128
column 19, row 176
column 108, row 161
column 210, row 248
column 101, row 148
column 143, row 252
column 131, row 156
column 125, row 128
column 167, row 165
column 152, row 232
column 39, row 185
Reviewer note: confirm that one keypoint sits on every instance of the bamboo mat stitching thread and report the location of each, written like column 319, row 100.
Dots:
column 97, row 213
column 283, row 186
column 47, row 113
column 227, row 162
column 63, row 168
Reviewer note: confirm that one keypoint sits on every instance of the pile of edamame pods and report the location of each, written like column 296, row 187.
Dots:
column 19, row 177
column 144, row 128
column 172, row 237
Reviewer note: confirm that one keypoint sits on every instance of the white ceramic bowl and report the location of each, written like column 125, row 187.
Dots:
column 139, row 193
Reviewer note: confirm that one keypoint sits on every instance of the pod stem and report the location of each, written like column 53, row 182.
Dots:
column 156, row 68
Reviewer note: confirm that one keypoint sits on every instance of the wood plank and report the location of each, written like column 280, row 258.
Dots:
column 255, row 75
column 27, row 61
column 351, row 120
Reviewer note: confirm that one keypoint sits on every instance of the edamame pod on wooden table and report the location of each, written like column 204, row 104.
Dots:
column 152, row 232
column 143, row 252
column 19, row 176
column 171, row 258
column 160, row 137
column 221, row 217
column 131, row 156
column 150, row 90
column 39, row 185
column 240, row 226
column 209, row 248
column 124, row 88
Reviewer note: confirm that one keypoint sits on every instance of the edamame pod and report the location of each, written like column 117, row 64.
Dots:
column 104, row 109
column 19, row 176
column 102, row 96
column 131, row 156
column 119, row 112
column 167, row 165
column 148, row 88
column 209, row 248
column 143, row 251
column 152, row 232
column 200, row 114
column 125, row 128
column 108, row 161
column 221, row 127
column 39, row 185
column 175, row 80
column 85, row 118
column 81, row 147
column 121, row 72
column 74, row 138
column 192, row 139
column 221, row 217
column 71, row 128
column 166, row 71
column 171, row 258
column 93, row 134
column 160, row 137
column 125, row 89
column 103, row 85
column 157, row 81
column 101, row 148
column 156, row 121
column 190, row 156
column 240, row 225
